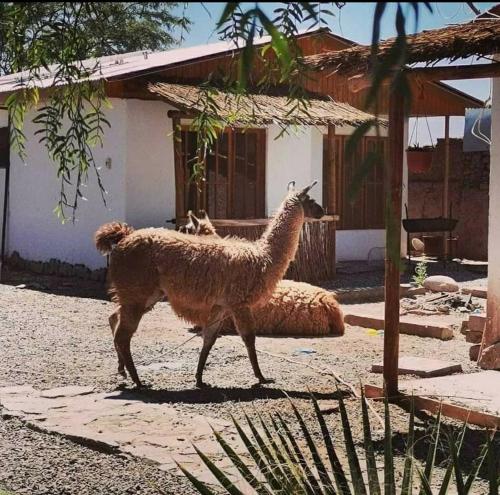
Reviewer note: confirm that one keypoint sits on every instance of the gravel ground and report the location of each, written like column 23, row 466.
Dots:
column 48, row 339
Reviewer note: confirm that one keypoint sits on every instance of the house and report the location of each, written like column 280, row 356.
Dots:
column 247, row 172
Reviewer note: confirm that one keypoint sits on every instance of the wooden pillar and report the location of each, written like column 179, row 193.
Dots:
column 490, row 347
column 331, row 194
column 331, row 176
column 393, row 191
column 178, row 170
column 446, row 179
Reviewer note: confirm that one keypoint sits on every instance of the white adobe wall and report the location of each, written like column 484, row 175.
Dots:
column 150, row 181
column 34, row 230
column 492, row 332
column 296, row 156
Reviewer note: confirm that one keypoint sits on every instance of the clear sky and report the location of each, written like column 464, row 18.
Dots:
column 354, row 21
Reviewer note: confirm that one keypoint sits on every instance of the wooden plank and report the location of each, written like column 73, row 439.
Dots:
column 422, row 403
column 431, row 329
column 331, row 166
column 394, row 185
column 446, row 179
column 178, row 171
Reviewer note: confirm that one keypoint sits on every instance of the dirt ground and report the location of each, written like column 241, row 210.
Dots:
column 59, row 335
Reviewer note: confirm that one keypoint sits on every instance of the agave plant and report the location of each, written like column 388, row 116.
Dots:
column 280, row 466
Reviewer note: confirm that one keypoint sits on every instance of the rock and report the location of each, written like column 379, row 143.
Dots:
column 477, row 322
column 473, row 337
column 440, row 283
column 490, row 357
column 465, row 327
column 474, row 352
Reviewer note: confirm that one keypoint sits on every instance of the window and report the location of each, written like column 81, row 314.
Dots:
column 366, row 209
column 234, row 184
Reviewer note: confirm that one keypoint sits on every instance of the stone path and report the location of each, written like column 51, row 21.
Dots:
column 122, row 422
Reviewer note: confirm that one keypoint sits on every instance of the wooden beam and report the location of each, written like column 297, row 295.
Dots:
column 448, row 410
column 180, row 114
column 178, row 171
column 393, row 191
column 331, row 175
column 360, row 82
column 446, row 179
column 453, row 72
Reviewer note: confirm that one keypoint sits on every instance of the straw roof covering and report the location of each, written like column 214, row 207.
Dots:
column 262, row 109
column 478, row 37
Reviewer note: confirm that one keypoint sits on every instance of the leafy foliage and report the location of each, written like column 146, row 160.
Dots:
column 420, row 273
column 280, row 465
column 71, row 122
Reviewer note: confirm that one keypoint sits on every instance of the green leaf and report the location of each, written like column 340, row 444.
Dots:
column 371, row 463
column 432, row 449
column 318, row 462
column 352, row 456
column 219, row 475
column 240, row 465
column 259, row 460
column 338, row 471
column 199, row 485
column 407, row 483
column 389, row 482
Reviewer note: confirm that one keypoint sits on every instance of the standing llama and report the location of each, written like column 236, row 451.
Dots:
column 204, row 278
column 294, row 309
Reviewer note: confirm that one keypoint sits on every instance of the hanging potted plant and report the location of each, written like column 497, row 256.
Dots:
column 419, row 158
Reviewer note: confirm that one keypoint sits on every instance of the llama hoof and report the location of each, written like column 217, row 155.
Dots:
column 203, row 385
column 263, row 381
column 142, row 386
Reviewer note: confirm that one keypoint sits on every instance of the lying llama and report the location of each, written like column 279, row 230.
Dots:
column 204, row 278
column 294, row 309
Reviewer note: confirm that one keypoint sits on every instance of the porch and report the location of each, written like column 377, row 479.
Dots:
column 246, row 173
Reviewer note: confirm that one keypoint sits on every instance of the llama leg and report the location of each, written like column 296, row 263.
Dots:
column 113, row 322
column 128, row 321
column 209, row 333
column 245, row 324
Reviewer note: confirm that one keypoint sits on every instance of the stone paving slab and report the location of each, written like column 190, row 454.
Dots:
column 423, row 367
column 123, row 422
column 475, row 391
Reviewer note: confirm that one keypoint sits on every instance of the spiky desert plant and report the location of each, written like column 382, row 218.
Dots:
column 280, row 466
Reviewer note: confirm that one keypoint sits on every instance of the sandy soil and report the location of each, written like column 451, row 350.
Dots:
column 48, row 340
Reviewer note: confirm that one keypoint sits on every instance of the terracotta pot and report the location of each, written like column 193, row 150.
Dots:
column 419, row 161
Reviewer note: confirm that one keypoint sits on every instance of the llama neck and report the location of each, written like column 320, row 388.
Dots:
column 282, row 235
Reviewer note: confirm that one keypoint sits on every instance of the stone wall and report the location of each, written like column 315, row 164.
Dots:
column 56, row 267
column 468, row 194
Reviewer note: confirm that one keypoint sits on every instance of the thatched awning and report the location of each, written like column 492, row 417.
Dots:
column 260, row 109
column 476, row 38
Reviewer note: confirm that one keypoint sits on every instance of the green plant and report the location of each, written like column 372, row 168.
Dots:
column 280, row 465
column 417, row 147
column 420, row 273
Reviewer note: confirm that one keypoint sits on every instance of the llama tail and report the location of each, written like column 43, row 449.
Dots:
column 109, row 234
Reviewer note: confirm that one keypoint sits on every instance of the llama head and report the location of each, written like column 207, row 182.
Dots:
column 311, row 208
column 193, row 225
column 198, row 226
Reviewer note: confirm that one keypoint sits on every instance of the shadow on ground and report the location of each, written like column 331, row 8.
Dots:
column 217, row 395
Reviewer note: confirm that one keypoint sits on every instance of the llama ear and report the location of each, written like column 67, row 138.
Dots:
column 308, row 188
column 196, row 222
column 291, row 186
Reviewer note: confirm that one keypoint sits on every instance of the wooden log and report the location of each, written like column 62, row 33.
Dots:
column 178, row 171
column 393, row 190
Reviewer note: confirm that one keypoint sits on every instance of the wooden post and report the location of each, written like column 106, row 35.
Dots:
column 178, row 170
column 394, row 185
column 331, row 176
column 446, row 185
column 331, row 192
